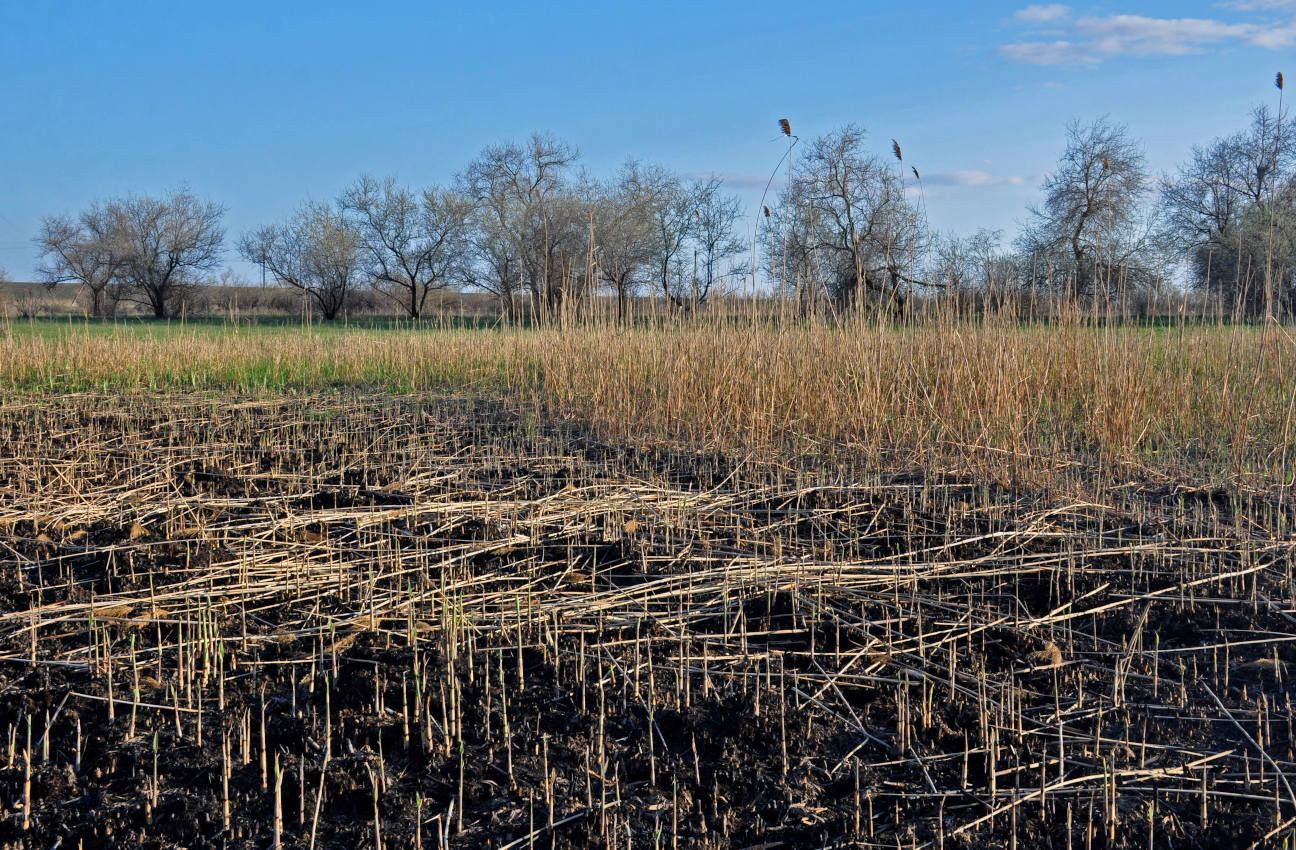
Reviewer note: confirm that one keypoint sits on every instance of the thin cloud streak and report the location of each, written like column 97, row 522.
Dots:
column 972, row 177
column 1090, row 40
column 740, row 181
column 1258, row 5
column 1042, row 14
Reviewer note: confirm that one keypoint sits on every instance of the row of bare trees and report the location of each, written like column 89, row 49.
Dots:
column 403, row 243
column 145, row 250
column 1224, row 222
column 846, row 228
column 520, row 222
column 850, row 226
column 1107, row 227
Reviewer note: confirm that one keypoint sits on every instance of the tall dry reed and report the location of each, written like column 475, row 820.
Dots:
column 998, row 397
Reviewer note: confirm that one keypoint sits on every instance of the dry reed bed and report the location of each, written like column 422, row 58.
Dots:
column 379, row 621
column 1014, row 403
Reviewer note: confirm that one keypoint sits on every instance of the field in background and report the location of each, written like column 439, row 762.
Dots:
column 226, row 302
column 710, row 585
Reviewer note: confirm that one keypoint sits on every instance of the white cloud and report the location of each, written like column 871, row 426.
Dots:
column 973, row 177
column 1042, row 14
column 1139, row 35
column 1258, row 5
column 1089, row 40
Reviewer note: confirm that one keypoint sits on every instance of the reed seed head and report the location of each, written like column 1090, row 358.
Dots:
column 1049, row 656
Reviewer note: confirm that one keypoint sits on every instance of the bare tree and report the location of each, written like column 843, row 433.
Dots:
column 1222, row 205
column 1088, row 228
column 953, row 264
column 517, row 186
column 89, row 250
column 848, row 227
column 561, row 240
column 716, row 217
column 623, row 233
column 317, row 251
column 792, row 249
column 974, row 267
column 167, row 243
column 492, row 266
column 1251, row 265
column 669, row 209
column 414, row 243
column 571, row 248
column 1210, row 190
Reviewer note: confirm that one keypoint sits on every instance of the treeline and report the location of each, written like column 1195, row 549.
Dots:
column 850, row 229
column 845, row 230
column 520, row 222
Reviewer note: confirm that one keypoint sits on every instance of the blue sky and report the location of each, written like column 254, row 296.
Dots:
column 262, row 105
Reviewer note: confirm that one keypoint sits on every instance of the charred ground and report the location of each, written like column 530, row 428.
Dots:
column 345, row 620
